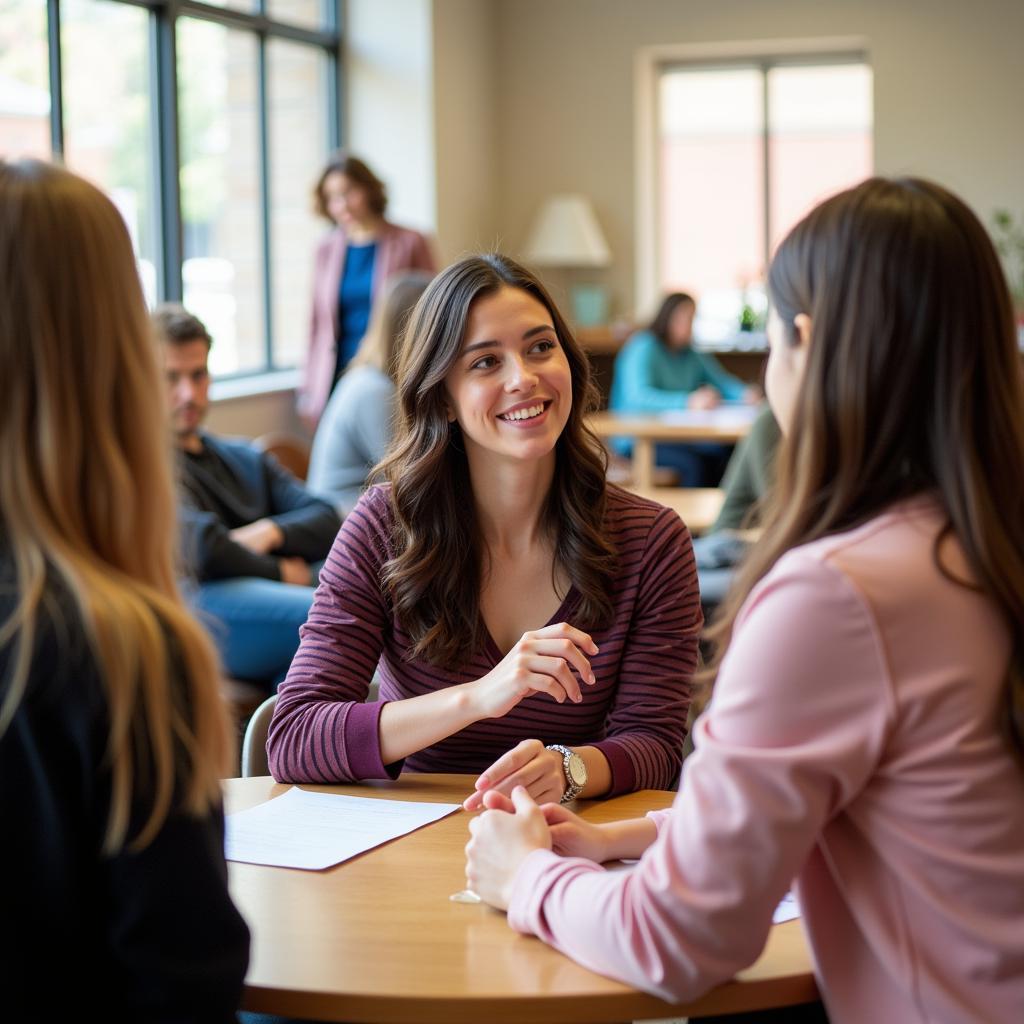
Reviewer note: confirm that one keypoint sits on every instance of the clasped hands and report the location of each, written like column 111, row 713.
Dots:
column 263, row 537
column 550, row 660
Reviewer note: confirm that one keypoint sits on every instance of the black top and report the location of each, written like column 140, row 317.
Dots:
column 231, row 484
column 148, row 936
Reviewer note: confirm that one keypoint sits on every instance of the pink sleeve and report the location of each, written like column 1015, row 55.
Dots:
column 798, row 720
column 422, row 257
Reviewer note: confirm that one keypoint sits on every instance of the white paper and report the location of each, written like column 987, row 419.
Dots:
column 725, row 415
column 786, row 910
column 314, row 831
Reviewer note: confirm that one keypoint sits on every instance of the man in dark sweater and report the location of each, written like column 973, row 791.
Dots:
column 252, row 535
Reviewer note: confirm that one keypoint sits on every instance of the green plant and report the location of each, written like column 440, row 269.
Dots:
column 1008, row 235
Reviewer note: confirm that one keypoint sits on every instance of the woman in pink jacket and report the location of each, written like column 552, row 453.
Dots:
column 866, row 732
column 352, row 263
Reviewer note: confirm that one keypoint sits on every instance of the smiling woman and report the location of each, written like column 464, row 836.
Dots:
column 531, row 624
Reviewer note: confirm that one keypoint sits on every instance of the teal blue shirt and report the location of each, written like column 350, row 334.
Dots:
column 651, row 377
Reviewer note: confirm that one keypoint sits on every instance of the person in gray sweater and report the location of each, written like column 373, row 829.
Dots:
column 357, row 425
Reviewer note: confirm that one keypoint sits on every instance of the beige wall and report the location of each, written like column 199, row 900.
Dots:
column 949, row 92
column 476, row 110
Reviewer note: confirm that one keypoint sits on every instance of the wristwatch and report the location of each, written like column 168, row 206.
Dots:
column 575, row 769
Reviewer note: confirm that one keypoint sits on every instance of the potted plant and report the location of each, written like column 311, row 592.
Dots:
column 1008, row 235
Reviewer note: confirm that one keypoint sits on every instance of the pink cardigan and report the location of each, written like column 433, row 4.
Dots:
column 852, row 743
column 397, row 249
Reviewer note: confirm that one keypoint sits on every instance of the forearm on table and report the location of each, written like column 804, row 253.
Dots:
column 409, row 725
column 627, row 840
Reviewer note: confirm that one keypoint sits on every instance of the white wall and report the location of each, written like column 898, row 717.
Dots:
column 466, row 132
column 389, row 101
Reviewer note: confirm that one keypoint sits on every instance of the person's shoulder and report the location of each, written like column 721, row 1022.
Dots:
column 363, row 380
column 640, row 341
column 399, row 231
column 374, row 511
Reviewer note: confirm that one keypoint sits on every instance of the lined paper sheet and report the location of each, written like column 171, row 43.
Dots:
column 314, row 831
column 786, row 910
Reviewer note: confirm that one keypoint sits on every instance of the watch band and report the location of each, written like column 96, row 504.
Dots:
column 572, row 787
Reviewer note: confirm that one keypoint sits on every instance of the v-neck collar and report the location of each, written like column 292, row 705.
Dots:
column 569, row 602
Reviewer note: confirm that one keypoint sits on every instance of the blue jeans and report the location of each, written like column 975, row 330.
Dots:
column 254, row 623
column 697, row 465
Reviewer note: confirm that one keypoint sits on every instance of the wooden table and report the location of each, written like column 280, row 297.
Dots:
column 698, row 507
column 377, row 939
column 725, row 425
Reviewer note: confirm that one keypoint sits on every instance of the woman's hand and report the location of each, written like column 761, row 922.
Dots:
column 543, row 661
column 529, row 764
column 500, row 840
column 571, row 836
column 704, row 397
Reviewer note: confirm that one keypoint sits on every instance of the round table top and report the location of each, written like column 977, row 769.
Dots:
column 377, row 939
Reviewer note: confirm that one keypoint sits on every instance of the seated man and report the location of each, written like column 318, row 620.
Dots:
column 747, row 479
column 251, row 531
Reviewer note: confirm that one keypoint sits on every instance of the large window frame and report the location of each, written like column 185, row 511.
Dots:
column 651, row 64
column 164, row 138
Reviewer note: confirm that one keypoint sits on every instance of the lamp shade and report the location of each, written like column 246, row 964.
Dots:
column 566, row 234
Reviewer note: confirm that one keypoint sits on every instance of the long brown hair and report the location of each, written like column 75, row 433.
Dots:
column 435, row 577
column 86, row 492
column 912, row 384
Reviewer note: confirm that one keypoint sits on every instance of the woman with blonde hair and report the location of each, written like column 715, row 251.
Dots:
column 866, row 732
column 358, row 424
column 112, row 731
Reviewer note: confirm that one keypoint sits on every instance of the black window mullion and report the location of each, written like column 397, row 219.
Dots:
column 167, row 153
column 56, row 86
column 335, row 79
column 263, row 134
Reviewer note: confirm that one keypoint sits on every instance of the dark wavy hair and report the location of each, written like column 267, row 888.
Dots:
column 435, row 577
column 359, row 174
column 912, row 385
column 671, row 302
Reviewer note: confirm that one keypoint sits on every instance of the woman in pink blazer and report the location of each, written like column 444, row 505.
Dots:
column 352, row 263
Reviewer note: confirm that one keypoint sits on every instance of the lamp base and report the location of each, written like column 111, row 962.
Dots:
column 589, row 304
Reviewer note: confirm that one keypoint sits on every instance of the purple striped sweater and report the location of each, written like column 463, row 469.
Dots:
column 635, row 713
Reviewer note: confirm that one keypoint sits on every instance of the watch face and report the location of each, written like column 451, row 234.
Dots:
column 578, row 770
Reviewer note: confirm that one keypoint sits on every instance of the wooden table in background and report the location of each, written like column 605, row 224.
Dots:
column 376, row 938
column 725, row 425
column 698, row 507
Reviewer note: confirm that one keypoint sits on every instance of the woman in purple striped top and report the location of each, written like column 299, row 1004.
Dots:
column 530, row 623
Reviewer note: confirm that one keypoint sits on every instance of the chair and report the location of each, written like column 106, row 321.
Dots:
column 254, row 743
column 291, row 451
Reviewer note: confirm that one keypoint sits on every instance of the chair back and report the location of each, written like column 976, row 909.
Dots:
column 291, row 451
column 254, row 742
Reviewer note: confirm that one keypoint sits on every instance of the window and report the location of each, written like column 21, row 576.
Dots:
column 210, row 157
column 744, row 150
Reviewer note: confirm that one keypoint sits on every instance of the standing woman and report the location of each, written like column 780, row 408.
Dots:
column 531, row 624
column 866, row 732
column 112, row 729
column 352, row 264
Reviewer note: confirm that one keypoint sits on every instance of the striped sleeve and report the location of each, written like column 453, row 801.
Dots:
column 321, row 730
column 646, row 723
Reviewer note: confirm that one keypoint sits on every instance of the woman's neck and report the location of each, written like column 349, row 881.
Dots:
column 510, row 498
column 363, row 232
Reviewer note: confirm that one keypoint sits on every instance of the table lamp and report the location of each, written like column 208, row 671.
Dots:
column 566, row 234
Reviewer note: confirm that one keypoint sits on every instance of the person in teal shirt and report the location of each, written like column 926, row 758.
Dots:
column 659, row 370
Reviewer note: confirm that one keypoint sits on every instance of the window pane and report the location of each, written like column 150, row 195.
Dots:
column 298, row 149
column 820, row 137
column 220, row 191
column 249, row 6
column 24, row 87
column 308, row 13
column 712, row 192
column 107, row 122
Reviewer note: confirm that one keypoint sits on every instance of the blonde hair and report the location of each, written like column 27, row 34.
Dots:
column 390, row 314
column 86, row 492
